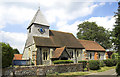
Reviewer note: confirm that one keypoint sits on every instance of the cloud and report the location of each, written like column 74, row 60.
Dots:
column 72, row 28
column 18, row 12
column 14, row 15
column 69, row 11
column 107, row 22
column 102, row 3
column 95, row 0
column 16, row 40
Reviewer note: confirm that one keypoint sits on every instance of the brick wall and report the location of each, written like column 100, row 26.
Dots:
column 42, row 70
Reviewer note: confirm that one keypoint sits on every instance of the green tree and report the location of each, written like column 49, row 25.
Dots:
column 7, row 54
column 15, row 51
column 116, row 30
column 91, row 31
column 117, row 37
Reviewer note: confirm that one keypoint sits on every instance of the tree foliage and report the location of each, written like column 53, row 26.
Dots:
column 15, row 51
column 116, row 38
column 7, row 54
column 116, row 30
column 91, row 31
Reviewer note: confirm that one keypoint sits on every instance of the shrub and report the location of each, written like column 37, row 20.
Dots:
column 62, row 61
column 118, row 68
column 102, row 63
column 84, row 63
column 114, row 56
column 94, row 64
column 109, row 62
column 115, row 61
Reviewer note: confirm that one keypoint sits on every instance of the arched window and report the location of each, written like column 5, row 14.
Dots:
column 29, row 52
column 90, row 55
column 71, row 53
column 43, row 55
column 77, row 53
column 99, row 55
column 46, row 55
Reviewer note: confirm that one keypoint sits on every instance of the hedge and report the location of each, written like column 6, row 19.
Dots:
column 110, row 62
column 84, row 63
column 102, row 64
column 114, row 56
column 94, row 64
column 62, row 61
column 115, row 61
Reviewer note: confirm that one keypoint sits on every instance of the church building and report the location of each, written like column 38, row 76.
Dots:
column 44, row 45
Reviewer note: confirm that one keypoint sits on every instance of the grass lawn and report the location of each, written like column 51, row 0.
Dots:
column 68, row 74
column 72, row 74
column 102, row 69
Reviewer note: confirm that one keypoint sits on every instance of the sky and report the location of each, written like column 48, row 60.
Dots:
column 62, row 15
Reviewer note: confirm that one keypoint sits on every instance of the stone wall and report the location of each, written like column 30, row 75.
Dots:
column 42, row 70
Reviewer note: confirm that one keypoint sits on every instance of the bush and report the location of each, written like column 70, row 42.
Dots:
column 118, row 69
column 102, row 63
column 114, row 56
column 84, row 63
column 115, row 61
column 109, row 62
column 62, row 61
column 94, row 64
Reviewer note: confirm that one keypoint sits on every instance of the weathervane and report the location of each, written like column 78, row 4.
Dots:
column 39, row 5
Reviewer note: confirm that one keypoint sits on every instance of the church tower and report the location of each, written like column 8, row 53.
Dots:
column 38, row 26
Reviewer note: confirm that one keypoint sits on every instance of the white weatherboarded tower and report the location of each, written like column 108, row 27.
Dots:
column 38, row 27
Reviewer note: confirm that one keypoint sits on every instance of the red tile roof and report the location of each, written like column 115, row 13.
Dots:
column 17, row 57
column 58, row 52
column 91, row 45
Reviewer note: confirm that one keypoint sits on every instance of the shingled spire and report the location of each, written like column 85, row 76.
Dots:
column 38, row 19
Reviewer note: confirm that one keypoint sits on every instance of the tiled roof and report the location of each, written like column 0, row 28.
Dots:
column 58, row 39
column 58, row 52
column 91, row 45
column 39, row 19
column 17, row 57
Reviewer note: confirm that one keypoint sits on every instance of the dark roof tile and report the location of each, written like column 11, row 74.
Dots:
column 58, row 39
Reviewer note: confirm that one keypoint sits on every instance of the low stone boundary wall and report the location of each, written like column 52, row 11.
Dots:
column 43, row 70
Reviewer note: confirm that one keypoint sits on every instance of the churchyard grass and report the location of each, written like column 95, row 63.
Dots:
column 102, row 69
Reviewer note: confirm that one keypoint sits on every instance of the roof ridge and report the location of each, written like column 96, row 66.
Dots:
column 61, row 31
column 40, row 37
column 86, row 40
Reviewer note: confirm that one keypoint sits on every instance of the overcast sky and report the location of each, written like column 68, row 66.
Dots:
column 62, row 15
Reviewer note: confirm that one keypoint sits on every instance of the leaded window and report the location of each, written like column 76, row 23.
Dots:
column 90, row 55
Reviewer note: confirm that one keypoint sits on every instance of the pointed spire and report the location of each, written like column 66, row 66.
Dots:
column 38, row 19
